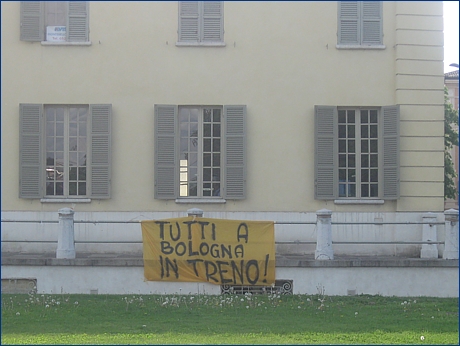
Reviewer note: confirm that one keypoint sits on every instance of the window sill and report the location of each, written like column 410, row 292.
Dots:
column 358, row 46
column 359, row 201
column 200, row 44
column 48, row 43
column 200, row 201
column 65, row 200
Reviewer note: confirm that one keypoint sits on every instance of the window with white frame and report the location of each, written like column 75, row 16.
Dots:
column 200, row 152
column 201, row 23
column 360, row 23
column 357, row 152
column 65, row 151
column 54, row 21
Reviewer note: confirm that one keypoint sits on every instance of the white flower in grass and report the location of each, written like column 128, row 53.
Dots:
column 18, row 313
column 422, row 338
column 76, row 303
column 298, row 307
column 356, row 313
column 247, row 307
column 47, row 306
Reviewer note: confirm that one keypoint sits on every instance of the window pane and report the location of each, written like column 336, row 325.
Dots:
column 207, row 115
column 73, row 188
column 351, row 116
column 73, row 173
column 351, row 131
column 73, row 143
column 59, row 189
column 207, row 144
column 342, row 131
column 207, row 160
column 374, row 175
column 374, row 160
column 59, row 129
column 342, row 160
column 81, row 188
column 373, row 116
column 364, row 131
column 364, row 117
column 60, row 143
column 216, row 174
column 342, row 175
column 216, row 144
column 374, row 147
column 216, row 130
column 192, row 191
column 364, row 160
column 342, row 117
column 364, row 175
column 374, row 190
column 352, row 175
column 364, row 146
column 194, row 114
column 351, row 161
column 364, row 190
column 207, row 130
column 216, row 160
column 82, row 173
column 216, row 115
column 351, row 146
column 216, row 189
column 374, row 132
column 342, row 146
column 352, row 190
column 206, row 174
column 73, row 159
column 342, row 190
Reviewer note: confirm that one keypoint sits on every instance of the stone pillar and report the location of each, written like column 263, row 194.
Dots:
column 195, row 212
column 451, row 241
column 324, row 235
column 66, row 241
column 429, row 233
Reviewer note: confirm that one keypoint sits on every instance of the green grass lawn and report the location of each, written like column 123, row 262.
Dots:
column 227, row 319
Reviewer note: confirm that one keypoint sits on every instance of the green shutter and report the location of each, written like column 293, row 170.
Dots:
column 77, row 21
column 100, row 141
column 348, row 31
column 165, row 152
column 30, row 150
column 325, row 152
column 235, row 152
column 212, row 21
column 390, row 136
column 32, row 21
column 372, row 22
column 188, row 21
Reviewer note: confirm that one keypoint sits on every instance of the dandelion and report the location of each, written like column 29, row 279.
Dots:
column 57, row 303
column 17, row 313
column 47, row 306
column 143, row 326
column 76, row 303
column 247, row 307
column 422, row 338
column 164, row 303
column 356, row 313
column 242, row 299
column 299, row 307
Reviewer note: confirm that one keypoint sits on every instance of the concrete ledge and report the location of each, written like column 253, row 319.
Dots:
column 303, row 261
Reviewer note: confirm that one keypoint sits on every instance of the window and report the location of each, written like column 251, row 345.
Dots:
column 65, row 151
column 357, row 152
column 201, row 23
column 200, row 152
column 54, row 21
column 360, row 23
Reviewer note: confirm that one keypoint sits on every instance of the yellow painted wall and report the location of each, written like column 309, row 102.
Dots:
column 280, row 60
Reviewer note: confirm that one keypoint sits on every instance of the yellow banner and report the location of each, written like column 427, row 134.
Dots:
column 222, row 252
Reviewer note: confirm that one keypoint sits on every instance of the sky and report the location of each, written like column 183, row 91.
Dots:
column 451, row 29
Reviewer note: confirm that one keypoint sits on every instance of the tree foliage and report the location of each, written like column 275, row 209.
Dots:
column 450, row 140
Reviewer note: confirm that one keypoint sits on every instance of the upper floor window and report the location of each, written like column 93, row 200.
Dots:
column 200, row 153
column 54, row 21
column 65, row 151
column 356, row 153
column 360, row 23
column 201, row 23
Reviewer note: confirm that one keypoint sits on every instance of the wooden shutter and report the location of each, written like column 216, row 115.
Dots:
column 390, row 136
column 32, row 21
column 165, row 152
column 235, row 152
column 348, row 22
column 100, row 141
column 77, row 21
column 212, row 21
column 372, row 22
column 30, row 151
column 326, row 152
column 188, row 21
